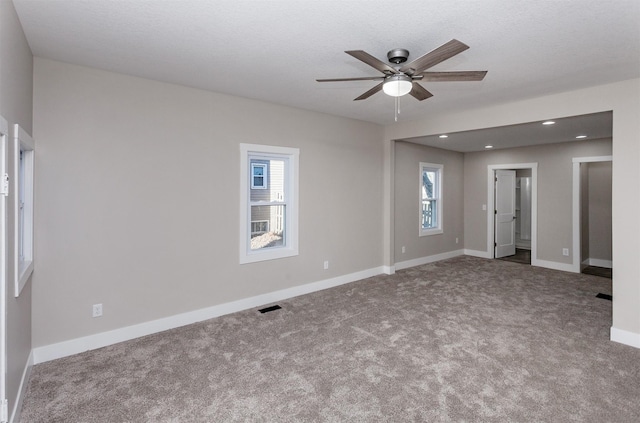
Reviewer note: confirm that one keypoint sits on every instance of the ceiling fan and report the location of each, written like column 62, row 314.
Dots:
column 401, row 80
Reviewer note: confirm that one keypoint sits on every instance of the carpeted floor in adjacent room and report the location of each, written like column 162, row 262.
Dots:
column 464, row 339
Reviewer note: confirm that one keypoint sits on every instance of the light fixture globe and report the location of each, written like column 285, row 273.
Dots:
column 397, row 85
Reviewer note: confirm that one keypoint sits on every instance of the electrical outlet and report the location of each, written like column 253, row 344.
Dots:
column 484, row 207
column 97, row 310
column 565, row 251
column 404, row 250
column 326, row 264
column 456, row 240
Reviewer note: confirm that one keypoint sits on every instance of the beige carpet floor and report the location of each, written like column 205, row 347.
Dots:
column 461, row 340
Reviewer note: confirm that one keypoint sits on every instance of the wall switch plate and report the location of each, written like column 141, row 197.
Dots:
column 326, row 264
column 404, row 250
column 97, row 310
column 484, row 207
column 456, row 240
column 565, row 251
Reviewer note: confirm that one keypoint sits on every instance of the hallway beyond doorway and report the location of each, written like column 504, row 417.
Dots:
column 521, row 256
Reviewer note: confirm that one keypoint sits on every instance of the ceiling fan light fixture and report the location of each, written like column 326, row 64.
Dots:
column 397, row 85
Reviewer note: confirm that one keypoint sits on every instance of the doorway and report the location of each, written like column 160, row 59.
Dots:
column 512, row 220
column 592, row 214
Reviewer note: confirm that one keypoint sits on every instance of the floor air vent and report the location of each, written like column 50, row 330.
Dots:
column 268, row 309
column 604, row 296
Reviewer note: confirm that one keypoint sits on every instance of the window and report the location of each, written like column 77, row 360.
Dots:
column 268, row 202
column 259, row 227
column 23, row 165
column 259, row 175
column 430, row 199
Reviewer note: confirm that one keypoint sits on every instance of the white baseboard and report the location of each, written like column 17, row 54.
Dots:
column 22, row 390
column 565, row 267
column 388, row 270
column 598, row 262
column 476, row 253
column 625, row 337
column 429, row 259
column 99, row 340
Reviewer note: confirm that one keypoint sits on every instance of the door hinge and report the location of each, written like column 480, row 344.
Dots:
column 4, row 187
column 495, row 212
column 4, row 412
column 495, row 244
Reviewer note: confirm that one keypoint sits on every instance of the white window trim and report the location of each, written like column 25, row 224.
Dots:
column 291, row 232
column 439, row 229
column 22, row 141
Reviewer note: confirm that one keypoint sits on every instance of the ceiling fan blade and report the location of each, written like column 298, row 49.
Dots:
column 440, row 54
column 365, row 57
column 419, row 92
column 364, row 78
column 453, row 76
column 369, row 93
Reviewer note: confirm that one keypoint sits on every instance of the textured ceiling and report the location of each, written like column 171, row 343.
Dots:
column 274, row 50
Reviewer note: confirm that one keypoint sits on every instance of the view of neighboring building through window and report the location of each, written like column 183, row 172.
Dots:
column 23, row 186
column 268, row 202
column 21, row 198
column 430, row 198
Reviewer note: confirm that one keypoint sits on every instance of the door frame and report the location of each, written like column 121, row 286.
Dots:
column 491, row 206
column 577, row 250
column 4, row 144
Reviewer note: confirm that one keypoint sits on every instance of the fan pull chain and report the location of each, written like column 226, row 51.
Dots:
column 397, row 108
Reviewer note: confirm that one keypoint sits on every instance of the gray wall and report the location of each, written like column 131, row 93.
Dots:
column 599, row 207
column 16, row 88
column 555, row 169
column 137, row 197
column 407, row 215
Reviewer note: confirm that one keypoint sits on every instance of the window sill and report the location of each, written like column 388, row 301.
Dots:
column 428, row 232
column 25, row 269
column 275, row 254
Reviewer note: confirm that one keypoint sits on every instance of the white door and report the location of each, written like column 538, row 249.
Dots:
column 4, row 190
column 505, row 213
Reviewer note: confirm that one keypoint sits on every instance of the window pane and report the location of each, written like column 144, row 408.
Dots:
column 267, row 180
column 429, row 214
column 267, row 227
column 429, row 184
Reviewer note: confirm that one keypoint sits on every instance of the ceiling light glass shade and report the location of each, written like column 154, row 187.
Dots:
column 397, row 85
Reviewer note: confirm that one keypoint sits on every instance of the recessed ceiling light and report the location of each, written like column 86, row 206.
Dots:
column 444, row 136
column 549, row 122
column 488, row 146
column 581, row 136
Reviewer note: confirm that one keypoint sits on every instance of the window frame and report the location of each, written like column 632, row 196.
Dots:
column 438, row 198
column 23, row 193
column 250, row 152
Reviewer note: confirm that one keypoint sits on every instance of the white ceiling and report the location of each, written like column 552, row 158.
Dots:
column 274, row 50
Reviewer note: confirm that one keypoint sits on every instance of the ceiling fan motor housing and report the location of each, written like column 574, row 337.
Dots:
column 398, row 55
